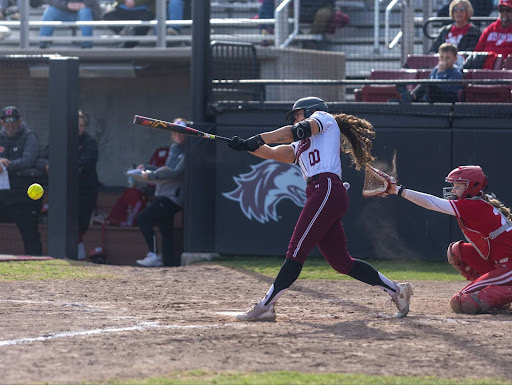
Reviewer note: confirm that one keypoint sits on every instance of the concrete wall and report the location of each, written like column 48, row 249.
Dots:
column 292, row 63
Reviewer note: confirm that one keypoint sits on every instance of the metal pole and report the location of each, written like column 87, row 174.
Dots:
column 199, row 59
column 161, row 17
column 24, row 30
column 407, row 43
column 63, row 143
column 376, row 12
column 199, row 210
column 427, row 12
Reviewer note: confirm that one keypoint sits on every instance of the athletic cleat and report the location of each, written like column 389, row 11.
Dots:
column 402, row 298
column 258, row 312
column 151, row 260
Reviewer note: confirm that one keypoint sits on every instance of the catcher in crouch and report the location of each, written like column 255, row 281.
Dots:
column 486, row 258
column 316, row 137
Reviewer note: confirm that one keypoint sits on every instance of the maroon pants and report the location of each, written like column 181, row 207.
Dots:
column 320, row 224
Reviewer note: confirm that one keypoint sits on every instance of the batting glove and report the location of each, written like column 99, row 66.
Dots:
column 251, row 144
column 237, row 144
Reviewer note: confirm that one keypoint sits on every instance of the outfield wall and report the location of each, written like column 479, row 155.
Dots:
column 428, row 141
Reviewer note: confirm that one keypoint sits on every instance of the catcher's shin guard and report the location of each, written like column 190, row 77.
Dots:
column 492, row 297
column 467, row 303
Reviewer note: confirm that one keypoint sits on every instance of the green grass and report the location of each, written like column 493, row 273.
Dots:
column 318, row 268
column 52, row 269
column 296, row 378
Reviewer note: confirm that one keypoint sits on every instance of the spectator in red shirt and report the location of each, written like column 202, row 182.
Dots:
column 462, row 33
column 497, row 37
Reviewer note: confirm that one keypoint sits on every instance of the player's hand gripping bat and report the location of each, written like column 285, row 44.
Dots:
column 174, row 127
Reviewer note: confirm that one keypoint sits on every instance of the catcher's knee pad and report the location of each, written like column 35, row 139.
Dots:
column 454, row 256
column 467, row 303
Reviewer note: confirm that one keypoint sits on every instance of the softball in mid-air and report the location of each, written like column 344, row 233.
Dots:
column 35, row 191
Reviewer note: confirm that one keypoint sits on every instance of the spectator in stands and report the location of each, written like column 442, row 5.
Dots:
column 177, row 9
column 87, row 178
column 266, row 11
column 462, row 33
column 19, row 149
column 497, row 37
column 317, row 12
column 438, row 93
column 480, row 7
column 70, row 10
column 10, row 9
column 168, row 201
column 131, row 10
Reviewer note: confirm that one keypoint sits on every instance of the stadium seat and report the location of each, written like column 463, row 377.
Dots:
column 507, row 63
column 421, row 61
column 483, row 93
column 381, row 93
column 423, row 73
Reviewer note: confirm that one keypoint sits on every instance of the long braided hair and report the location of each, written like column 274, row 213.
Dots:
column 491, row 198
column 356, row 139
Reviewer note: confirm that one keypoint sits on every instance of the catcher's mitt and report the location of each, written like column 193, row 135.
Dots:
column 376, row 182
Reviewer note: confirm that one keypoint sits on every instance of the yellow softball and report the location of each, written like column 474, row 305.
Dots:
column 35, row 191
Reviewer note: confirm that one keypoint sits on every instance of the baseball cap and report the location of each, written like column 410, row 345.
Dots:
column 10, row 112
column 506, row 3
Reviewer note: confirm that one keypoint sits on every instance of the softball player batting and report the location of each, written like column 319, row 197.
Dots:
column 316, row 137
column 486, row 258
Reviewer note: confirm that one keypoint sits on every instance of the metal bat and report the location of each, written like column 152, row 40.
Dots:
column 174, row 127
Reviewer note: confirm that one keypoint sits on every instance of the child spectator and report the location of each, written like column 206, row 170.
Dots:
column 438, row 93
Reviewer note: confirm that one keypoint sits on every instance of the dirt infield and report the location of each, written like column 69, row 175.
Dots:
column 149, row 322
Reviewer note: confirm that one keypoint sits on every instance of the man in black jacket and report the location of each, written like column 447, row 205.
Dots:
column 19, row 149
column 87, row 179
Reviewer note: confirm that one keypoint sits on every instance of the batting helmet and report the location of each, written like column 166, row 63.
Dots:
column 310, row 104
column 472, row 176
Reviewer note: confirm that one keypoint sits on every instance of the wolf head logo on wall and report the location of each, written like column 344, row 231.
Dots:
column 260, row 190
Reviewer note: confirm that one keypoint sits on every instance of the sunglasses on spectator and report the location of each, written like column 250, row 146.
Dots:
column 505, row 10
column 10, row 120
column 459, row 9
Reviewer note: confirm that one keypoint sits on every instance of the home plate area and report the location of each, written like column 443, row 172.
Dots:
column 135, row 323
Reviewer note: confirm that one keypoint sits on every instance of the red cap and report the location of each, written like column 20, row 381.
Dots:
column 506, row 3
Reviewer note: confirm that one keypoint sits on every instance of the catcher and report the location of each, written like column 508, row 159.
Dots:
column 316, row 137
column 486, row 258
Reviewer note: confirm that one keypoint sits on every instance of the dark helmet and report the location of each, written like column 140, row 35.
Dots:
column 309, row 104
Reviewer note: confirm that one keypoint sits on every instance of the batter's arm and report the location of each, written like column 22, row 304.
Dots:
column 284, row 134
column 283, row 153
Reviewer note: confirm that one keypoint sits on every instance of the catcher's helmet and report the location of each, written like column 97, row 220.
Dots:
column 472, row 176
column 309, row 104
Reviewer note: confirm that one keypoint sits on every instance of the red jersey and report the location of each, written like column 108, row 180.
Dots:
column 496, row 39
column 485, row 227
column 456, row 34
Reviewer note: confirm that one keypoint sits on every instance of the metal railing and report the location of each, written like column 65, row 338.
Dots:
column 281, row 22
column 449, row 20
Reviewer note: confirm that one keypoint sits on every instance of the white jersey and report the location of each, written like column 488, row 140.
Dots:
column 321, row 152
